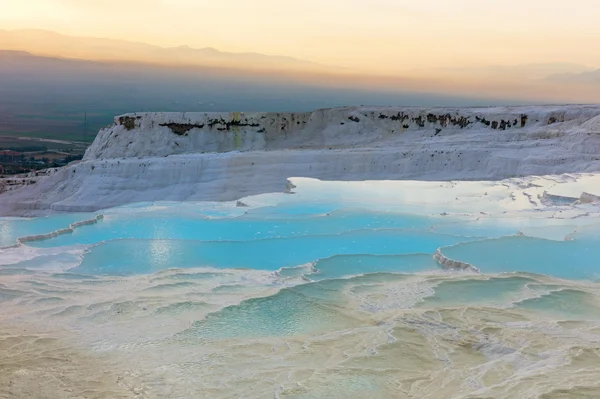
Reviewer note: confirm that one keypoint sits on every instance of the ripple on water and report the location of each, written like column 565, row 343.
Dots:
column 349, row 265
column 183, row 307
column 306, row 309
column 7, row 294
column 478, row 290
column 570, row 304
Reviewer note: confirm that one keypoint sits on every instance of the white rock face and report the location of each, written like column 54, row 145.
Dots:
column 220, row 156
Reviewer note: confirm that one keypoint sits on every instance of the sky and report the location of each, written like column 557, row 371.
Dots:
column 375, row 36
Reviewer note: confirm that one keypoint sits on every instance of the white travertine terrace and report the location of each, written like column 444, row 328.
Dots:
column 66, row 230
column 227, row 156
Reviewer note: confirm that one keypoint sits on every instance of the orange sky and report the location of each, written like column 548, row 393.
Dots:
column 376, row 36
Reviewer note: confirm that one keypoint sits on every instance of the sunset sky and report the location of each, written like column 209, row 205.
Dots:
column 373, row 36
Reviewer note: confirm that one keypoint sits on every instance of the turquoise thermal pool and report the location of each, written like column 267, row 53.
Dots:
column 327, row 292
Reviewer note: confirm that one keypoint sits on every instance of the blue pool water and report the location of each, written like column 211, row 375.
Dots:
column 255, row 225
column 565, row 259
column 13, row 228
column 340, row 242
column 309, row 300
column 122, row 257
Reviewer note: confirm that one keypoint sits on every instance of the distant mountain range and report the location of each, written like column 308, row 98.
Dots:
column 509, row 72
column 46, row 43
column 584, row 78
column 52, row 44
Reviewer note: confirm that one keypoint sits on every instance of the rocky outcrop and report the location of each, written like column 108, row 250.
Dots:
column 225, row 156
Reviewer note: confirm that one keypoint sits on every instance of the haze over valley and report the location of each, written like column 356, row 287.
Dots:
column 67, row 87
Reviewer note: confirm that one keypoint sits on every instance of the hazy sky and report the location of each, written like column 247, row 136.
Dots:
column 373, row 35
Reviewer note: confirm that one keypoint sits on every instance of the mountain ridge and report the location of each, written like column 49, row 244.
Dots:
column 103, row 49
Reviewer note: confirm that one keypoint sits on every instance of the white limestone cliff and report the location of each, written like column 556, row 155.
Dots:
column 225, row 156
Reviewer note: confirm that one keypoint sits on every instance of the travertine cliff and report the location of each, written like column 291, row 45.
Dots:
column 216, row 156
column 160, row 134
